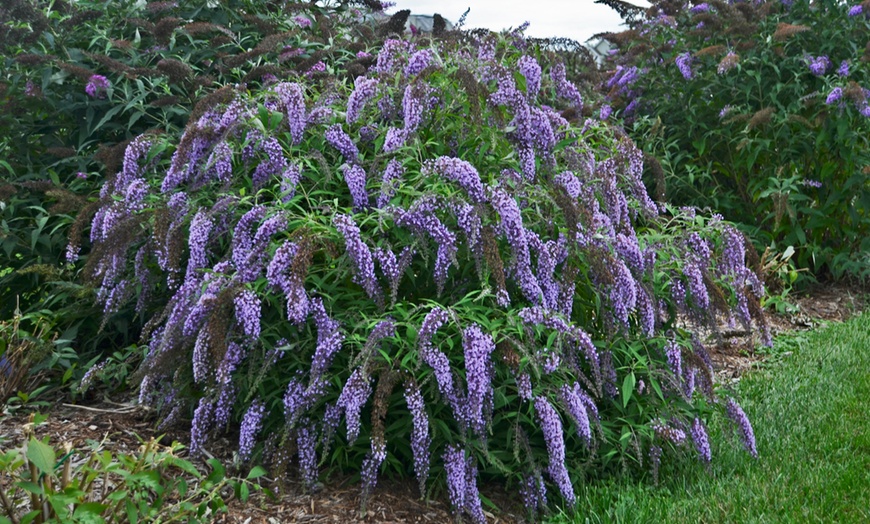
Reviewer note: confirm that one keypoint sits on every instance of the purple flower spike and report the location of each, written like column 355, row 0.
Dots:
column 248, row 313
column 360, row 254
column 818, row 65
column 551, row 425
column 420, row 439
column 251, row 424
column 355, row 394
column 364, row 90
column 292, row 98
column 735, row 412
column 530, row 69
column 700, row 439
column 684, row 63
column 340, row 140
column 355, row 177
column 479, row 373
column 461, row 172
column 97, row 86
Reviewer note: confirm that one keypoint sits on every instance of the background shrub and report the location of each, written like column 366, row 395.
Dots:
column 431, row 256
column 757, row 110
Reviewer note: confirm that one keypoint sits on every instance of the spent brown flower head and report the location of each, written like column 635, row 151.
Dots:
column 785, row 31
column 761, row 117
column 713, row 50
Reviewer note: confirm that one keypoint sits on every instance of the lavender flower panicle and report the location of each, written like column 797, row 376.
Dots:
column 251, row 424
column 420, row 439
column 531, row 70
column 354, row 395
column 248, row 313
column 364, row 90
column 461, row 172
column 684, row 64
column 701, row 440
column 479, row 372
column 341, row 141
column 306, row 442
column 554, row 437
column 736, row 413
column 360, row 254
column 97, row 86
column 392, row 174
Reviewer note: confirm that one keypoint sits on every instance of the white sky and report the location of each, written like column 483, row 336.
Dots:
column 577, row 19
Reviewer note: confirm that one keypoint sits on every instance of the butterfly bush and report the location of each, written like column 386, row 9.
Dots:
column 514, row 282
column 727, row 94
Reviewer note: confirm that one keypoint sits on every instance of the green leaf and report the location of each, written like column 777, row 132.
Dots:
column 41, row 455
column 628, row 388
column 256, row 473
column 89, row 513
column 132, row 513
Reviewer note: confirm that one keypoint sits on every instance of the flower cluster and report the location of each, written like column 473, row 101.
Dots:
column 97, row 86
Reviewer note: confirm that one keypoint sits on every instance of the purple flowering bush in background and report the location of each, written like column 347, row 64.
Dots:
column 429, row 271
column 742, row 103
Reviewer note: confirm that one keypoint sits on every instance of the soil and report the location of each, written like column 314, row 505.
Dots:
column 122, row 426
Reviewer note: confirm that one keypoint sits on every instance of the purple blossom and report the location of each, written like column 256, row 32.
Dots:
column 461, row 172
column 684, row 63
column 834, row 95
column 479, row 372
column 248, row 313
column 289, row 180
column 695, row 277
column 32, row 90
column 735, row 412
column 354, row 395
column 319, row 67
column 574, row 400
column 200, row 227
column 843, row 70
column 251, row 424
column 340, row 140
column 392, row 174
column 203, row 417
column 856, row 10
column 329, row 339
column 418, row 62
column 531, row 70
column 811, row 183
column 273, row 166
column 292, row 97
column 605, row 112
column 818, row 65
column 534, row 492
column 306, row 441
column 302, row 21
column 700, row 439
column 570, row 183
column 393, row 267
column 355, row 178
column 395, row 139
column 551, row 425
column 370, row 466
column 700, row 8
column 675, row 359
column 389, row 55
column 364, row 90
column 512, row 227
column 221, row 160
column 413, row 106
column 97, row 86
column 565, row 88
column 462, row 484
column 623, row 293
column 360, row 255
column 420, row 439
column 424, row 222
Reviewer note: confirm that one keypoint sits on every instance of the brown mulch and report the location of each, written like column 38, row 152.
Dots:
column 122, row 426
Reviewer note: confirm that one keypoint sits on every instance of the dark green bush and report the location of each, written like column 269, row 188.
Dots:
column 80, row 80
column 758, row 110
column 433, row 255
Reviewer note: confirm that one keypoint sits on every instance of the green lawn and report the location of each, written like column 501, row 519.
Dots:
column 811, row 415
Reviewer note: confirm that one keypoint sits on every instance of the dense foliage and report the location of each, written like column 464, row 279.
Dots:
column 431, row 255
column 78, row 82
column 758, row 110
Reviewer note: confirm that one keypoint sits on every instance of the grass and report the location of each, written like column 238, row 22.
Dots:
column 811, row 415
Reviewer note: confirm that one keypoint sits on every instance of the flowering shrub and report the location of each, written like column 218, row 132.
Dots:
column 79, row 80
column 426, row 266
column 758, row 110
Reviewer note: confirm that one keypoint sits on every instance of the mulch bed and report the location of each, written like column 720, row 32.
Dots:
column 121, row 427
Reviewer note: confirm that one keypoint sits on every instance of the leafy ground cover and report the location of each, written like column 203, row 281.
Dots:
column 813, row 446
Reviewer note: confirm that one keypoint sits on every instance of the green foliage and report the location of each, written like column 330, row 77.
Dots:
column 45, row 484
column 755, row 133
